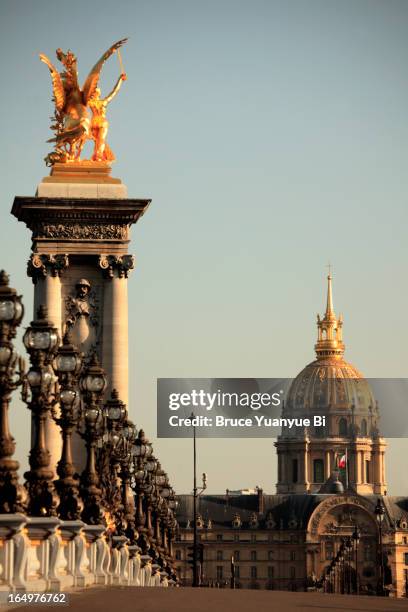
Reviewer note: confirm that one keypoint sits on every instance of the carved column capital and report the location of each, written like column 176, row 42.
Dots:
column 41, row 265
column 119, row 264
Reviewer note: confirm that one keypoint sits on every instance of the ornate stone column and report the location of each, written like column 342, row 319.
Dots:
column 81, row 216
column 115, row 321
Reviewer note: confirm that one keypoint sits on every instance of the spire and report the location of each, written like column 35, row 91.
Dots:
column 329, row 329
column 330, row 314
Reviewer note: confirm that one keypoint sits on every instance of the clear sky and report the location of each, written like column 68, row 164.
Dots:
column 272, row 137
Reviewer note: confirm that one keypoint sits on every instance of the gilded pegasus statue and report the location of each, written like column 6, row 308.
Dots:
column 71, row 122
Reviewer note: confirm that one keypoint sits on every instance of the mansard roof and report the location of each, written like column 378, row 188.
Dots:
column 262, row 511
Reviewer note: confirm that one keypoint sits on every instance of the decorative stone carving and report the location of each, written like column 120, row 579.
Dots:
column 121, row 264
column 200, row 521
column 270, row 523
column 326, row 506
column 40, row 265
column 82, row 316
column 80, row 231
column 236, row 521
column 253, row 521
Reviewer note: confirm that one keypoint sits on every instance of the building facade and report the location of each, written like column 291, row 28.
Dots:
column 289, row 541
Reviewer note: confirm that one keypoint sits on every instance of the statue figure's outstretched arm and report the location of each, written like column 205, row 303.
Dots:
column 115, row 90
column 92, row 79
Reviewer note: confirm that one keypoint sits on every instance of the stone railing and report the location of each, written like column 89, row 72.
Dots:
column 47, row 554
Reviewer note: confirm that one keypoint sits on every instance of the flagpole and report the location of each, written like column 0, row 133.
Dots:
column 347, row 469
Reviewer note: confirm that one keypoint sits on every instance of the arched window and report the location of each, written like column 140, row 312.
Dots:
column 363, row 428
column 343, row 427
column 318, row 470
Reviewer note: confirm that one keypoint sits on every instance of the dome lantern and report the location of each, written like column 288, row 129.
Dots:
column 329, row 329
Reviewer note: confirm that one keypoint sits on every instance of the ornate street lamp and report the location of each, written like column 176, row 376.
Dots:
column 41, row 341
column 12, row 495
column 380, row 512
column 117, row 454
column 356, row 535
column 92, row 385
column 67, row 366
column 128, row 501
column 142, row 451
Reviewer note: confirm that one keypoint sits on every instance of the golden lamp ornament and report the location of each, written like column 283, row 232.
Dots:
column 80, row 113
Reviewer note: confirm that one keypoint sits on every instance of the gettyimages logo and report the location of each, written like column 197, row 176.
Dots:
column 222, row 399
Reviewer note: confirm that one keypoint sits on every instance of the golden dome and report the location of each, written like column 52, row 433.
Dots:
column 330, row 385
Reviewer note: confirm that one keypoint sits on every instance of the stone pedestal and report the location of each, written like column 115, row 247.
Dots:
column 80, row 222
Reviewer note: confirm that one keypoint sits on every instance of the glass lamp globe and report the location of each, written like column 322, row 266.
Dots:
column 66, row 363
column 34, row 378
column 160, row 478
column 95, row 383
column 11, row 308
column 115, row 408
column 7, row 310
column 151, row 464
column 91, row 415
column 40, row 339
column 114, row 413
column 140, row 475
column 68, row 397
column 165, row 492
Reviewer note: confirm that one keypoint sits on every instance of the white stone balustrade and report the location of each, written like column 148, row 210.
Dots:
column 45, row 554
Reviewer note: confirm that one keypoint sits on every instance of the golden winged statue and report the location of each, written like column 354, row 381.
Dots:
column 71, row 122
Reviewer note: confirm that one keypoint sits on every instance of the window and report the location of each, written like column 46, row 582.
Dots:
column 236, row 537
column 253, row 537
column 293, row 572
column 406, row 558
column 237, row 571
column 219, row 555
column 343, row 427
column 367, row 471
column 219, row 572
column 178, row 555
column 219, row 537
column 292, row 555
column 270, row 571
column 363, row 427
column 404, row 540
column 254, row 572
column 236, row 555
column 368, row 552
column 329, row 551
column 318, row 470
column 294, row 470
column 253, row 555
column 270, row 555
